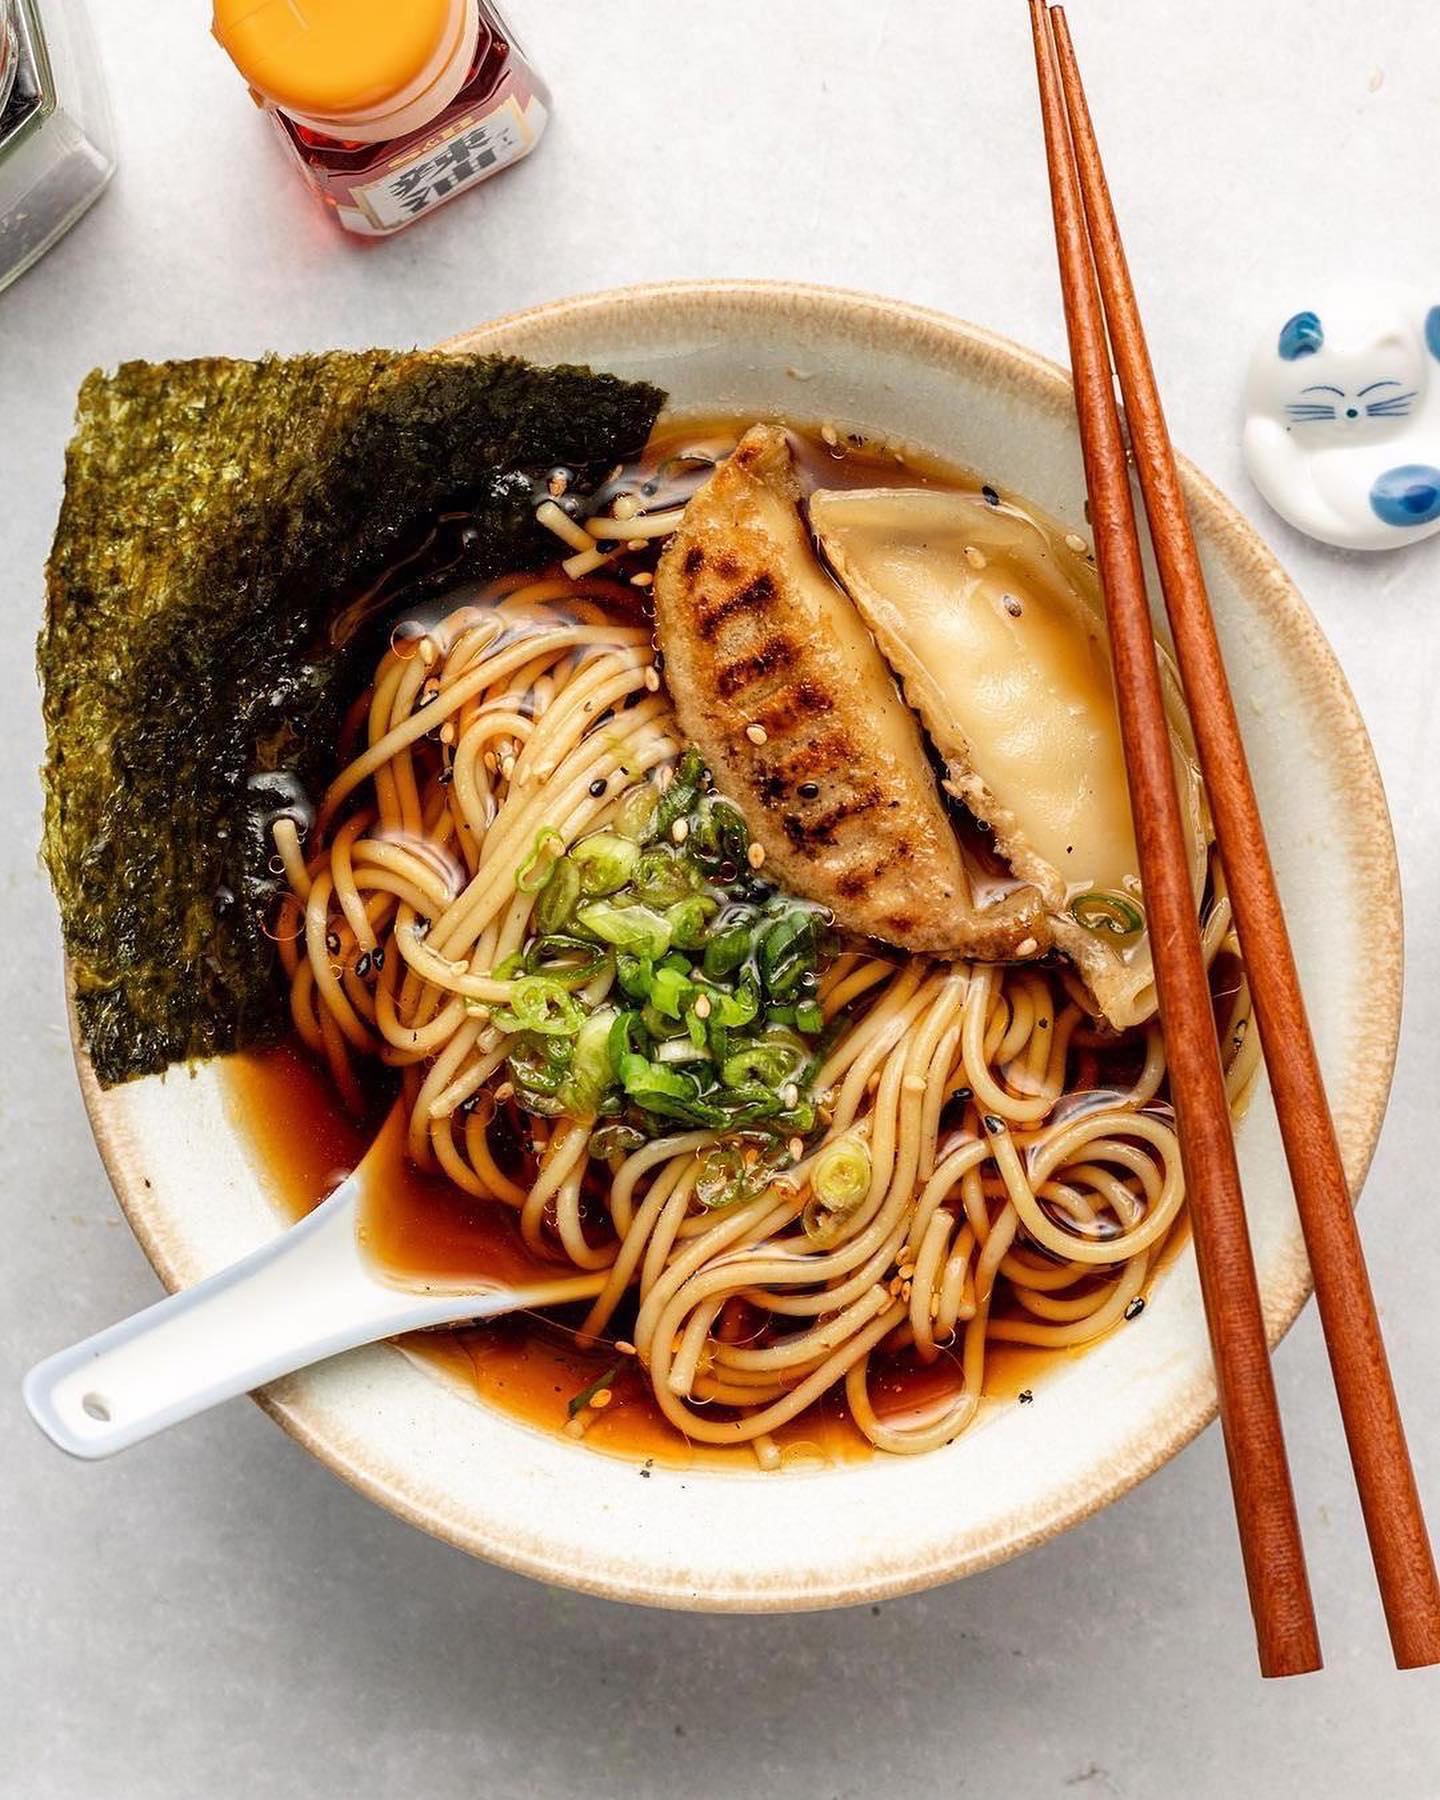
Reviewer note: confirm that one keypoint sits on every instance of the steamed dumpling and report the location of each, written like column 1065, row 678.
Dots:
column 1004, row 656
column 779, row 683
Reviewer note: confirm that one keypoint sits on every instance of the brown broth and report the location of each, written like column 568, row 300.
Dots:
column 530, row 1366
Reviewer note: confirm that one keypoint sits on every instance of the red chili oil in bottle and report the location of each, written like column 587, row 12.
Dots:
column 389, row 107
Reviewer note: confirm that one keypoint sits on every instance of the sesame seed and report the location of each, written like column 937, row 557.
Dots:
column 755, row 855
column 830, row 435
column 989, row 495
column 1027, row 946
column 796, row 1148
column 914, row 1084
column 601, row 1399
column 975, row 557
column 934, row 1306
column 642, row 580
column 702, row 1007
column 505, row 1091
column 428, row 651
column 1136, row 1307
column 993, row 1122
column 1073, row 541
column 1013, row 606
column 757, row 734
column 907, row 1271
column 652, row 680
column 626, row 506
column 809, row 790
column 507, row 765
column 447, row 732
column 598, row 786
column 680, row 830
column 625, row 1347
column 789, row 1095
column 637, row 544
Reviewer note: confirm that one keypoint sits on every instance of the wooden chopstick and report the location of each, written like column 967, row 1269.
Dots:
column 1274, row 1558
column 1384, row 1475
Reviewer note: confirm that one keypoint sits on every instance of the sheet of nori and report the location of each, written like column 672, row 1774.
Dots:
column 215, row 512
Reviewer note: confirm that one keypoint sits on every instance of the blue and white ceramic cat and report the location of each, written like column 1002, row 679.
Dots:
column 1342, row 428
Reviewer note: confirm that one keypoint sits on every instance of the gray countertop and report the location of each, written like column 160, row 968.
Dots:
column 215, row 1613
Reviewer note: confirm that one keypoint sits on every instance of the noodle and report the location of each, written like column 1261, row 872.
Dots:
column 1023, row 1175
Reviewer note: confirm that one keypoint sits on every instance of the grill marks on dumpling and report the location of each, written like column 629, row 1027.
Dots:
column 779, row 683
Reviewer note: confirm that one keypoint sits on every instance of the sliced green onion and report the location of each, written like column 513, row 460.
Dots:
column 590, row 1077
column 616, row 1139
column 669, row 991
column 681, row 795
column 731, row 942
column 788, row 950
column 587, row 1394
column 733, row 1172
column 663, row 875
column 535, row 871
column 637, row 929
column 1109, row 914
column 688, row 920
column 558, row 896
column 635, row 809
column 605, row 862
column 718, row 836
column 809, row 1018
column 840, row 1178
column 771, row 1062
column 571, row 961
column 539, row 1003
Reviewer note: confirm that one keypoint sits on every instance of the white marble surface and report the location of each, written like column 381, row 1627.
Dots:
column 217, row 1614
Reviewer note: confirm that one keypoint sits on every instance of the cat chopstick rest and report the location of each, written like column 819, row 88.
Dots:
column 1342, row 427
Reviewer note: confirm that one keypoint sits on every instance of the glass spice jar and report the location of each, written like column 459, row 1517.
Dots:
column 390, row 107
column 55, row 153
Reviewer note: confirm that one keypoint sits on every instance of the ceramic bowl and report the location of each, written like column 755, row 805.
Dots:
column 1101, row 1421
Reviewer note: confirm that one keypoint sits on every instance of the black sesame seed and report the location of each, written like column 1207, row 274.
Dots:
column 962, row 1094
column 989, row 495
column 377, row 962
column 362, row 966
column 1026, row 1396
column 332, row 942
column 1136, row 1307
column 809, row 790
column 598, row 786
column 993, row 1122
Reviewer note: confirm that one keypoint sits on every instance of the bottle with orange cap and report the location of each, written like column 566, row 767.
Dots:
column 390, row 107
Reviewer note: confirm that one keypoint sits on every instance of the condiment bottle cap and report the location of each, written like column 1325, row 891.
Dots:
column 348, row 62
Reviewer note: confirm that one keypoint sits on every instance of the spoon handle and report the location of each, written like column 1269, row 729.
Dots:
column 304, row 1296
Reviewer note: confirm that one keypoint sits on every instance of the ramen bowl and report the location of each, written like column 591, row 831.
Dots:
column 1098, row 1422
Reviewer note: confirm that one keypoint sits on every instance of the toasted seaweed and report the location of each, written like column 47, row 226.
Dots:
column 217, row 514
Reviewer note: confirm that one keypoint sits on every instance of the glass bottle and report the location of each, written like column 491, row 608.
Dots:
column 389, row 107
column 55, row 146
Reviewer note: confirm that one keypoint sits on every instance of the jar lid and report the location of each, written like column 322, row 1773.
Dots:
column 335, row 57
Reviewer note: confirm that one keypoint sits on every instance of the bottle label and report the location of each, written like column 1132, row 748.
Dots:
column 471, row 149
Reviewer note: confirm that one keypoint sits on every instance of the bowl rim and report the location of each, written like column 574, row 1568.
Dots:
column 1255, row 566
